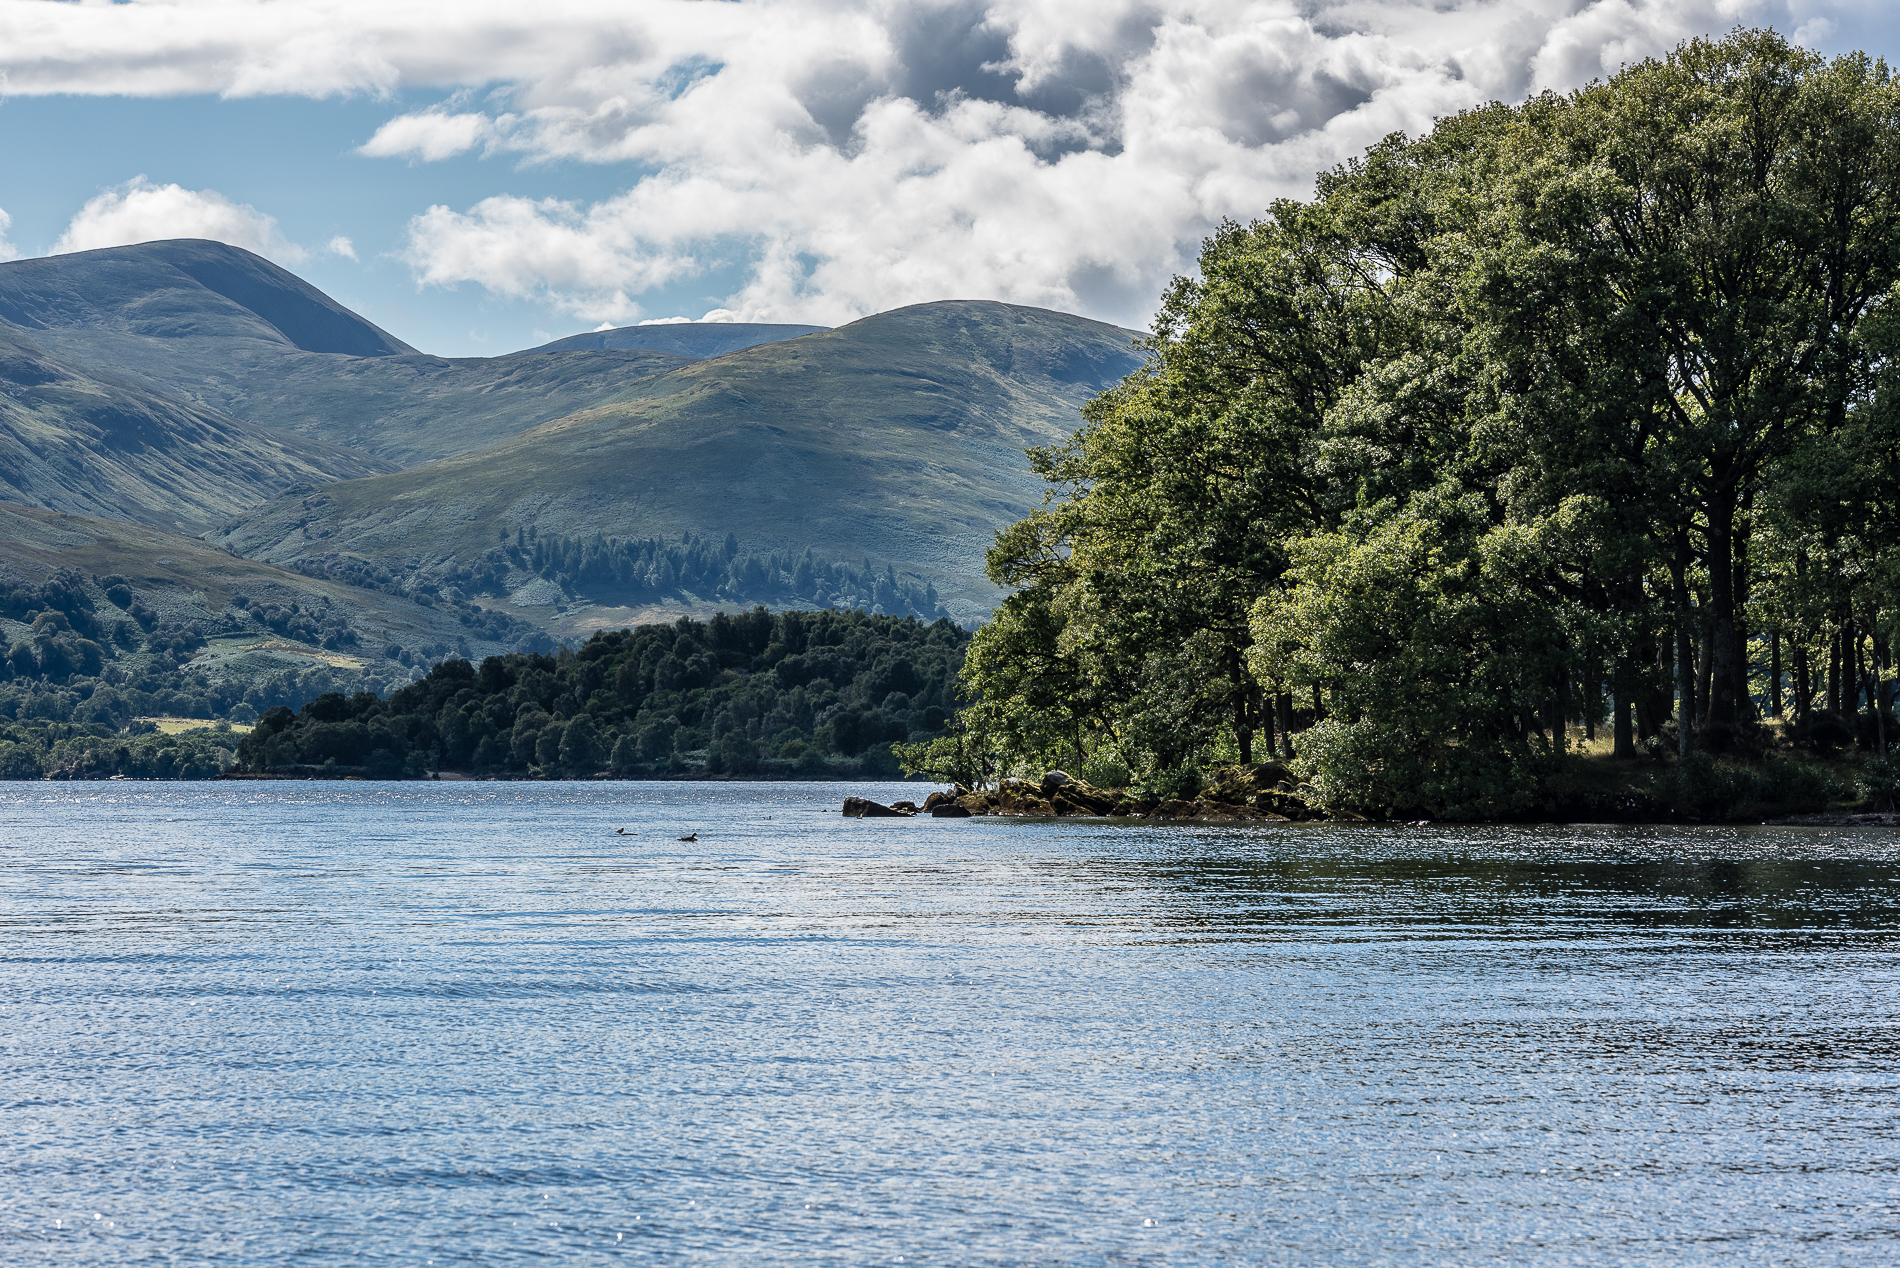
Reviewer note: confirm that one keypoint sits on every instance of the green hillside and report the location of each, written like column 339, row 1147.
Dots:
column 188, row 584
column 89, row 443
column 898, row 438
column 686, row 338
column 182, row 289
column 228, row 331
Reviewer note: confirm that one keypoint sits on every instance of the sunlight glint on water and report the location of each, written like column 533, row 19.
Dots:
column 325, row 1023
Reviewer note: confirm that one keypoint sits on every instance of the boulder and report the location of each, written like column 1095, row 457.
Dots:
column 1020, row 797
column 907, row 807
column 862, row 808
column 937, row 799
column 1054, row 780
column 1090, row 799
column 948, row 810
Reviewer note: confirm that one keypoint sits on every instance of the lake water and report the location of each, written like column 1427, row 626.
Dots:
column 468, row 1024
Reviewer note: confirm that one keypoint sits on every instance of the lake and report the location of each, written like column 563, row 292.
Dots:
column 320, row 1023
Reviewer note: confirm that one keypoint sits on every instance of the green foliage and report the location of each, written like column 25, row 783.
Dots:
column 791, row 694
column 1879, row 784
column 1586, row 396
column 1432, row 632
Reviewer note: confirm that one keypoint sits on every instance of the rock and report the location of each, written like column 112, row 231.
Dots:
column 1054, row 780
column 948, row 810
column 1088, row 798
column 936, row 799
column 1174, row 808
column 861, row 808
column 976, row 803
column 908, row 807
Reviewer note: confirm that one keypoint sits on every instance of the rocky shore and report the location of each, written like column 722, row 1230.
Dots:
column 1269, row 793
column 1265, row 792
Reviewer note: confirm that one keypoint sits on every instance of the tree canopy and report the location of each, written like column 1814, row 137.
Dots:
column 1576, row 410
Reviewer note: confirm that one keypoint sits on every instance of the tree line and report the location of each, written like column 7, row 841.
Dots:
column 650, row 569
column 1578, row 411
column 789, row 694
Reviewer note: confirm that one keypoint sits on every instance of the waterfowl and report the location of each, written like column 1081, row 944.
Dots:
column 690, row 836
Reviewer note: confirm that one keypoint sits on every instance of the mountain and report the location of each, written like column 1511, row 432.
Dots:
column 184, row 289
column 229, row 617
column 230, row 332
column 91, row 443
column 684, row 338
column 898, row 437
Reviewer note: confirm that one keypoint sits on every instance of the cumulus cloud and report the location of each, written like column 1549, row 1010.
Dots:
column 7, row 250
column 342, row 246
column 140, row 211
column 851, row 155
column 432, row 135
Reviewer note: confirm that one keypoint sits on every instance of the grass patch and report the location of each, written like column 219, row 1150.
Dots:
column 178, row 726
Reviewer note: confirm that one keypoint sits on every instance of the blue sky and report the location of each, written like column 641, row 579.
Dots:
column 506, row 174
column 295, row 159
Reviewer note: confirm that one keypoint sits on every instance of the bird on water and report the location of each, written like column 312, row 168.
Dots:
column 622, row 832
column 690, row 836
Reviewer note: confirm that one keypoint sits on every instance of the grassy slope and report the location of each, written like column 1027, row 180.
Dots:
column 899, row 437
column 231, row 332
column 188, row 581
column 88, row 443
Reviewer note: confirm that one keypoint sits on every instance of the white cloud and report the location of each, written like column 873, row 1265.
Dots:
column 432, row 135
column 140, row 211
column 852, row 155
column 7, row 250
column 607, row 325
column 342, row 246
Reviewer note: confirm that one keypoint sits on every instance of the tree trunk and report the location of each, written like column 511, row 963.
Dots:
column 1803, row 682
column 1284, row 707
column 1850, row 666
column 1774, row 673
column 1243, row 716
column 1724, row 710
column 1879, row 693
column 1622, row 743
column 1685, row 654
column 1264, row 716
column 1592, row 701
column 1834, row 673
column 1745, row 707
column 1704, row 665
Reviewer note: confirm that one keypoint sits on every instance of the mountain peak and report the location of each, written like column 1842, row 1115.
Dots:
column 182, row 288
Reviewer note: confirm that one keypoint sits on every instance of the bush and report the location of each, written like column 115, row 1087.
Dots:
column 1795, row 787
column 1878, row 785
column 1822, row 731
column 1715, row 791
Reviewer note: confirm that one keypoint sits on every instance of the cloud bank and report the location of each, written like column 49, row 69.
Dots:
column 139, row 211
column 849, row 156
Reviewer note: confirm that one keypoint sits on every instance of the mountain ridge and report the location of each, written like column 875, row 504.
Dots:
column 687, row 338
column 898, row 437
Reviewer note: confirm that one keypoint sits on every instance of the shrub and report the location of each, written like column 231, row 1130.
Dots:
column 1716, row 791
column 1878, row 784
